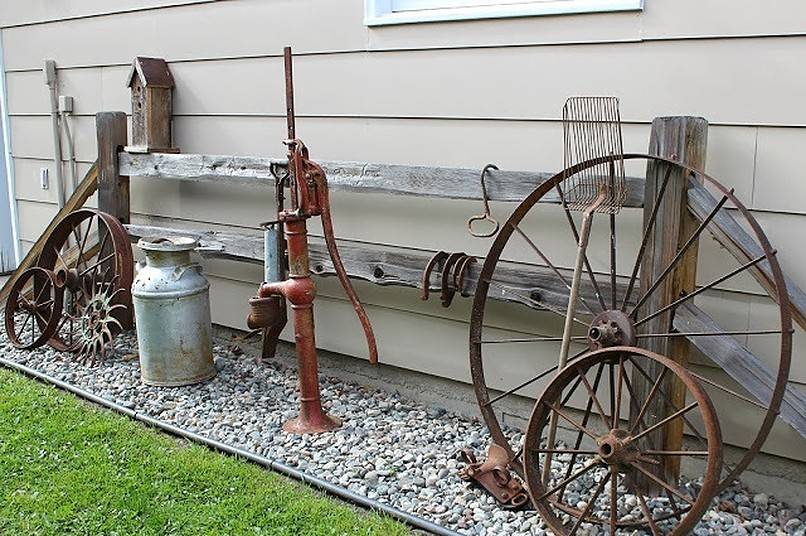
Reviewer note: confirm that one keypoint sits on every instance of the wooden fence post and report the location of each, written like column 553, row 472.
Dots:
column 684, row 138
column 113, row 189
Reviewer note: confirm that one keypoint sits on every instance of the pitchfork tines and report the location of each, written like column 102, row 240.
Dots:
column 591, row 130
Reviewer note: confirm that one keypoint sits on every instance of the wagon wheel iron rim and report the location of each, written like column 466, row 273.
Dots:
column 489, row 397
column 100, row 252
column 33, row 308
column 620, row 451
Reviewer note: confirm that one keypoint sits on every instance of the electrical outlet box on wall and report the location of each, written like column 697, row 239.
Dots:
column 44, row 178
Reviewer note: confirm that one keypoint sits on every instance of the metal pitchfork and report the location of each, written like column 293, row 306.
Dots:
column 591, row 129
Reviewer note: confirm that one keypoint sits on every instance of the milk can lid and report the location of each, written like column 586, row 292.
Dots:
column 162, row 243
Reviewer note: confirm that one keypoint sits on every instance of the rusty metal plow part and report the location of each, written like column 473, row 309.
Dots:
column 97, row 324
column 603, row 333
column 33, row 308
column 453, row 268
column 487, row 215
column 494, row 476
column 598, row 484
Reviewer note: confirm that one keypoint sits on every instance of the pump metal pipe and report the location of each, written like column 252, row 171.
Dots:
column 309, row 198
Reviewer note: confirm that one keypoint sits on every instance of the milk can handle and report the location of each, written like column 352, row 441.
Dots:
column 179, row 271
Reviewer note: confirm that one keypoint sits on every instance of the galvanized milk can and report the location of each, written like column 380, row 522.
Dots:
column 172, row 311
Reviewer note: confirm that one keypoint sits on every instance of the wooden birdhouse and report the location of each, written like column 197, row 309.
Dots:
column 151, row 84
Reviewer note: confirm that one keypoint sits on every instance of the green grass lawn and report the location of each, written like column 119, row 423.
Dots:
column 68, row 468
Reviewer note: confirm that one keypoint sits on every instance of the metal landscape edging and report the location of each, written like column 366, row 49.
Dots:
column 278, row 467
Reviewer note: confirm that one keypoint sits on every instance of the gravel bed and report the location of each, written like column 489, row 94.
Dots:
column 390, row 449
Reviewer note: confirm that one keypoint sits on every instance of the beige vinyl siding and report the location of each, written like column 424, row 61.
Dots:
column 452, row 94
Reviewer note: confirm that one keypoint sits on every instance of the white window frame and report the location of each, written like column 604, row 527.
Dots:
column 382, row 12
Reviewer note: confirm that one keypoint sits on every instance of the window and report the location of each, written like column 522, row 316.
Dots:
column 380, row 12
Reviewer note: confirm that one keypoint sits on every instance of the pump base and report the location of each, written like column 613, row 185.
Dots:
column 325, row 423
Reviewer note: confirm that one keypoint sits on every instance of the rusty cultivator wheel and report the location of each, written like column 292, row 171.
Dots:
column 33, row 309
column 90, row 255
column 615, row 309
column 596, row 479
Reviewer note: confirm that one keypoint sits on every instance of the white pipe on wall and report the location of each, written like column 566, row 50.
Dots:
column 64, row 115
column 51, row 80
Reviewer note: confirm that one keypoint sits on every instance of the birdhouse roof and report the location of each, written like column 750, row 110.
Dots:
column 153, row 72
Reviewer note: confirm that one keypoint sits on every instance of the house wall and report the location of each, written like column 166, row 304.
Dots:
column 451, row 94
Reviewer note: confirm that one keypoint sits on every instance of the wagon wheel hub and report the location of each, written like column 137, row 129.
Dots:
column 617, row 450
column 68, row 278
column 611, row 328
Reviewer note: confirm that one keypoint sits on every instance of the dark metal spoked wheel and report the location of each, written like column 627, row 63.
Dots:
column 598, row 481
column 33, row 308
column 615, row 308
column 87, row 250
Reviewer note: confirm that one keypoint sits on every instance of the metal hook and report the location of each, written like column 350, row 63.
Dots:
column 487, row 216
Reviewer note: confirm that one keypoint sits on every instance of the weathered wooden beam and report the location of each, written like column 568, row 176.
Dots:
column 684, row 138
column 740, row 364
column 451, row 183
column 731, row 235
column 83, row 191
column 113, row 187
column 425, row 181
column 527, row 284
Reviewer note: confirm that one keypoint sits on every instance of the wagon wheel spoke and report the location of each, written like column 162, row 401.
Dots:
column 750, row 332
column 528, row 382
column 564, row 482
column 729, row 391
column 676, row 452
column 551, row 265
column 640, row 417
column 702, row 289
column 536, row 303
column 520, row 386
column 613, row 501
column 567, row 451
column 662, row 483
column 644, row 508
column 645, row 239
column 83, row 242
column 575, row 338
column 571, row 421
column 96, row 264
column 588, row 507
column 585, row 418
column 594, row 398
column 726, row 466
column 60, row 258
column 613, row 297
column 679, row 255
column 619, row 382
column 31, row 318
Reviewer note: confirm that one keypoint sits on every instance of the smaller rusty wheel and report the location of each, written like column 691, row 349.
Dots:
column 86, row 249
column 33, row 309
column 612, row 474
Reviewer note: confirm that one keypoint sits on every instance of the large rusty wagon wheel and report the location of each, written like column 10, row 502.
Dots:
column 612, row 309
column 598, row 481
column 89, row 252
